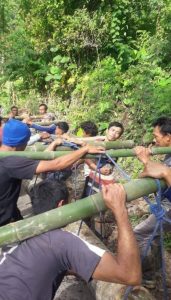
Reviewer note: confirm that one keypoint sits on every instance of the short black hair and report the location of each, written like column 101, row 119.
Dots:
column 164, row 123
column 89, row 127
column 45, row 106
column 1, row 120
column 47, row 194
column 14, row 107
column 63, row 126
column 116, row 124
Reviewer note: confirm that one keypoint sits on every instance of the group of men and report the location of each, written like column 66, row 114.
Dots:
column 34, row 268
column 42, row 112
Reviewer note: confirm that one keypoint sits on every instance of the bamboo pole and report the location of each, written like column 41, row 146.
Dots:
column 72, row 212
column 54, row 154
column 42, row 123
column 107, row 145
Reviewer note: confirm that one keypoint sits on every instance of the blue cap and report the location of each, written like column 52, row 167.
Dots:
column 15, row 133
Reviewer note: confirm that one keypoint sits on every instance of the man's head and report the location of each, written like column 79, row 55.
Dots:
column 89, row 128
column 162, row 132
column 47, row 195
column 14, row 111
column 61, row 128
column 15, row 134
column 114, row 131
column 43, row 109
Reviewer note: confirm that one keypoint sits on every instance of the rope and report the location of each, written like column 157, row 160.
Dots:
column 90, row 192
column 124, row 174
column 74, row 180
column 158, row 211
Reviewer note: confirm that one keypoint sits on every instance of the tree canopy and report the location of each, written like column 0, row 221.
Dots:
column 92, row 59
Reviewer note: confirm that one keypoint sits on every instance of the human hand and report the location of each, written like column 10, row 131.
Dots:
column 44, row 135
column 155, row 170
column 114, row 197
column 143, row 154
column 94, row 149
column 10, row 115
column 27, row 121
column 105, row 170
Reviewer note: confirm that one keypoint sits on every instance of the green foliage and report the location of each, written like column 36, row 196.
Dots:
column 132, row 165
column 90, row 59
column 167, row 241
column 135, row 219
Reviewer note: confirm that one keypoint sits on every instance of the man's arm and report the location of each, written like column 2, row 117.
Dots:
column 152, row 168
column 67, row 160
column 52, row 146
column 157, row 170
column 49, row 129
column 37, row 137
column 125, row 267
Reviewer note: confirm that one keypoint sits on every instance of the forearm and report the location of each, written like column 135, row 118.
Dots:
column 127, row 252
column 61, row 163
column 91, row 164
column 51, row 147
column 69, row 159
column 50, row 129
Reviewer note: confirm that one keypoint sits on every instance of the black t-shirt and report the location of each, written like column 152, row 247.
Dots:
column 28, row 272
column 12, row 170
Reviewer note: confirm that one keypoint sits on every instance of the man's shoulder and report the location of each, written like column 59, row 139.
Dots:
column 15, row 158
column 12, row 160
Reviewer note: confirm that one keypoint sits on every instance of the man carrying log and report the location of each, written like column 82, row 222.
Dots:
column 13, row 169
column 143, row 231
column 35, row 268
column 106, row 167
column 43, row 111
column 13, row 112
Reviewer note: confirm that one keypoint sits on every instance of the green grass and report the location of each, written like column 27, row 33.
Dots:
column 167, row 241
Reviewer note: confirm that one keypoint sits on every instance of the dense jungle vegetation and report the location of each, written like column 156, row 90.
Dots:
column 88, row 59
